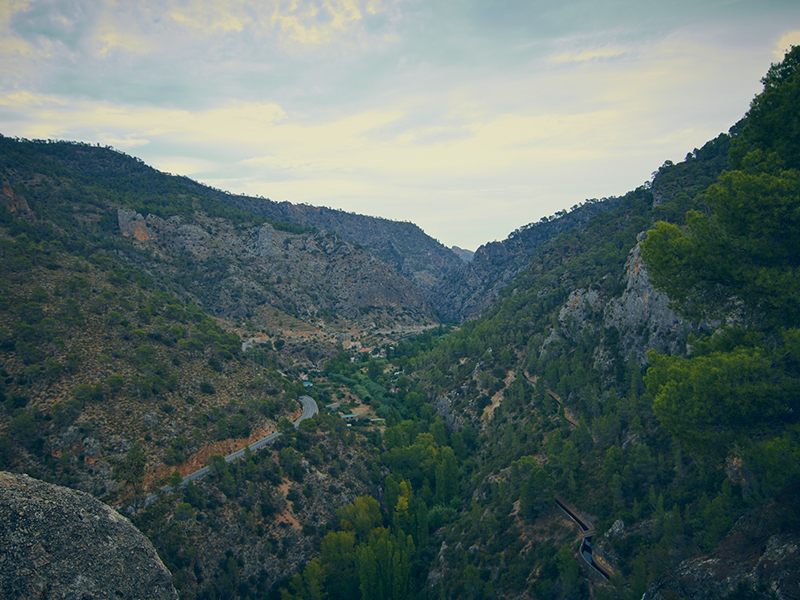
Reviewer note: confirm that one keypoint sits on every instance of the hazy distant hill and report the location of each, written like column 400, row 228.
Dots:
column 463, row 254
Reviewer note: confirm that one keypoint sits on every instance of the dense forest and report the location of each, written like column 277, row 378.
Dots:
column 642, row 372
column 546, row 397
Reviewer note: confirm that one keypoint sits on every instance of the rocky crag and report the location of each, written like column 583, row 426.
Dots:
column 310, row 275
column 758, row 559
column 400, row 244
column 640, row 316
column 58, row 543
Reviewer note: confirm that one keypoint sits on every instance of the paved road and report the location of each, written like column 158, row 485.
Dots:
column 309, row 410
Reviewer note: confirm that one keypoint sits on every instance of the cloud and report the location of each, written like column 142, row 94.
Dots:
column 467, row 119
column 782, row 47
column 210, row 18
column 54, row 21
column 239, row 28
column 533, row 143
column 314, row 23
column 590, row 55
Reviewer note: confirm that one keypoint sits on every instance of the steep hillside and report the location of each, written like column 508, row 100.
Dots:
column 124, row 181
column 240, row 273
column 189, row 237
column 95, row 358
column 465, row 292
column 581, row 383
column 402, row 245
column 622, row 419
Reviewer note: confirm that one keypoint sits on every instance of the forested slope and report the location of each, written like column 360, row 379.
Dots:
column 234, row 263
column 672, row 446
column 663, row 413
column 465, row 292
column 663, row 429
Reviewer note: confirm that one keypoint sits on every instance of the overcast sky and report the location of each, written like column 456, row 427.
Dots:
column 467, row 117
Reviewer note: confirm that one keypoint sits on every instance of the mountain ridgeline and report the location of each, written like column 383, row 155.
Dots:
column 74, row 177
column 614, row 414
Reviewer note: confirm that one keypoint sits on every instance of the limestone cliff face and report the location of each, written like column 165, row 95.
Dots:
column 14, row 203
column 401, row 245
column 133, row 225
column 642, row 313
column 58, row 543
column 235, row 271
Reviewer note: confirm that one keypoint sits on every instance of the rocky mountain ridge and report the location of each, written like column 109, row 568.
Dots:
column 465, row 292
column 313, row 276
column 107, row 180
column 68, row 182
column 400, row 244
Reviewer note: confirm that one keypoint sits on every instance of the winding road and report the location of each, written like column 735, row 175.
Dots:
column 587, row 531
column 569, row 418
column 309, row 410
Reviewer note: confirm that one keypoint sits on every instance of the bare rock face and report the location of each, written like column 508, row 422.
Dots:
column 133, row 225
column 63, row 544
column 234, row 271
column 642, row 314
column 758, row 559
column 15, row 204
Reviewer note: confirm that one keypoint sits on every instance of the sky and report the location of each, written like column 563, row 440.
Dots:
column 469, row 118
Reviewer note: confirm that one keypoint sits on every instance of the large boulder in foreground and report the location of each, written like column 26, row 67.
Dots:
column 59, row 543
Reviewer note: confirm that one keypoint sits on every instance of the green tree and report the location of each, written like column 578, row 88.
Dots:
column 739, row 391
column 130, row 469
column 446, row 476
column 742, row 255
column 536, row 493
column 772, row 123
column 362, row 515
column 710, row 401
column 338, row 555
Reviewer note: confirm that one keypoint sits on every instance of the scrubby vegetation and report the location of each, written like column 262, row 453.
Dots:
column 580, row 383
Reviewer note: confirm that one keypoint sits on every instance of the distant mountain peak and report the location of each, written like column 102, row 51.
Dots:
column 465, row 255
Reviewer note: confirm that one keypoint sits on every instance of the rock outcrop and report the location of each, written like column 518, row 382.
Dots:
column 758, row 559
column 642, row 314
column 234, row 271
column 14, row 203
column 58, row 543
column 133, row 225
